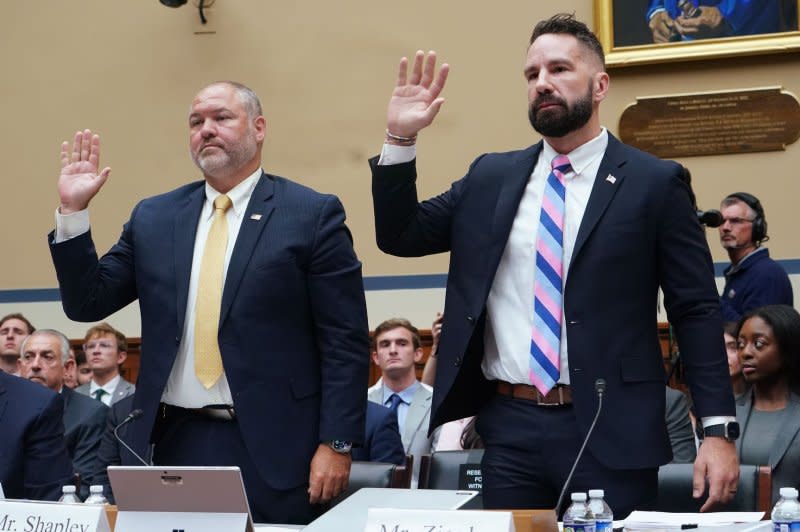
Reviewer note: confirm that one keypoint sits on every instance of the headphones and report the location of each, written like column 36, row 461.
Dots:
column 760, row 221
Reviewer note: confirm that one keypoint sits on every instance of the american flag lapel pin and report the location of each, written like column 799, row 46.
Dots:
column 611, row 179
column 255, row 217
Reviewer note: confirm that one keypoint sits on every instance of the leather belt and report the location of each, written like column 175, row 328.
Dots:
column 219, row 412
column 560, row 395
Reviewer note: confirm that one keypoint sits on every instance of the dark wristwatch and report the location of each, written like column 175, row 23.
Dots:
column 728, row 430
column 341, row 446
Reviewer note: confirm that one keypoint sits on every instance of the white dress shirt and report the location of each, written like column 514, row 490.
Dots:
column 510, row 304
column 183, row 388
column 108, row 387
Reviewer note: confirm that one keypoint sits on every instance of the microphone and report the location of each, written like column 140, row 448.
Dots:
column 600, row 388
column 135, row 414
column 710, row 218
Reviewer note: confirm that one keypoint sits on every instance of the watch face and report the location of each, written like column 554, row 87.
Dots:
column 733, row 430
column 341, row 446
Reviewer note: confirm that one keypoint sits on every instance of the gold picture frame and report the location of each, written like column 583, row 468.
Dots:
column 640, row 54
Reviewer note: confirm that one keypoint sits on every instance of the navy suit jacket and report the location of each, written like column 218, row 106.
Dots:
column 638, row 233
column 293, row 328
column 84, row 423
column 382, row 442
column 34, row 463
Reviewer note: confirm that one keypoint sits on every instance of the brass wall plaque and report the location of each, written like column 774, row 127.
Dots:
column 712, row 123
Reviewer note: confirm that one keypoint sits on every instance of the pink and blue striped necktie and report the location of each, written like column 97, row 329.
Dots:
column 547, row 281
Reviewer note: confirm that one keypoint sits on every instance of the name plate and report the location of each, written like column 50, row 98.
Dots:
column 470, row 477
column 394, row 520
column 128, row 521
column 28, row 516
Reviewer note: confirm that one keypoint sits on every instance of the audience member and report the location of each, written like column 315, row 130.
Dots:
column 71, row 372
column 45, row 360
column 769, row 412
column 396, row 350
column 753, row 279
column 106, row 349
column 382, row 442
column 13, row 329
column 254, row 323
column 679, row 426
column 34, row 463
column 111, row 451
column 734, row 366
column 83, row 373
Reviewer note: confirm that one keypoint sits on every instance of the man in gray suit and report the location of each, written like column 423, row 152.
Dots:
column 106, row 349
column 396, row 350
column 44, row 359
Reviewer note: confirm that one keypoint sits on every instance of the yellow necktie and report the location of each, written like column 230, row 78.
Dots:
column 207, row 358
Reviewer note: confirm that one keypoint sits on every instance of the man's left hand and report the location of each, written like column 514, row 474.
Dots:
column 717, row 462
column 330, row 472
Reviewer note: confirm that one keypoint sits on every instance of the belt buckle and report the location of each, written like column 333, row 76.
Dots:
column 224, row 412
column 541, row 399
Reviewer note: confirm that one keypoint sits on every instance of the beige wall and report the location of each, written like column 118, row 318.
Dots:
column 324, row 71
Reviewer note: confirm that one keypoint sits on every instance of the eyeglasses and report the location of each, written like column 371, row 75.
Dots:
column 98, row 345
column 737, row 221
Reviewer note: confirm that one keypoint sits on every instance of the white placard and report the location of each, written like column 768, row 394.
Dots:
column 179, row 522
column 395, row 520
column 28, row 516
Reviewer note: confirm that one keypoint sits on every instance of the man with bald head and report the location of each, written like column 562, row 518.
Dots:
column 218, row 266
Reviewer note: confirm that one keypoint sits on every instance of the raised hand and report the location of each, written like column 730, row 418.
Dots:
column 79, row 180
column 415, row 100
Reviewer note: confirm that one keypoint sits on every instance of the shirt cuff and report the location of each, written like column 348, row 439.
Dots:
column 716, row 420
column 393, row 154
column 71, row 225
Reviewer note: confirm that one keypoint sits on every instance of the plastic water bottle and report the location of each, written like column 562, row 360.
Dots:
column 786, row 513
column 603, row 516
column 96, row 496
column 578, row 517
column 68, row 495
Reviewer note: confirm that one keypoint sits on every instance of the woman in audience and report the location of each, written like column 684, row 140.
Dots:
column 769, row 412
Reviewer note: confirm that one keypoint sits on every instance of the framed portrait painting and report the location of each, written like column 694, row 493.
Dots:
column 635, row 32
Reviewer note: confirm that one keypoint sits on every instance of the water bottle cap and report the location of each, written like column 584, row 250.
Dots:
column 96, row 489
column 67, row 489
column 579, row 496
column 597, row 494
column 788, row 493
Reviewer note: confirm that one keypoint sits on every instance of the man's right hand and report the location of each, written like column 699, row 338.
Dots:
column 662, row 26
column 415, row 100
column 79, row 180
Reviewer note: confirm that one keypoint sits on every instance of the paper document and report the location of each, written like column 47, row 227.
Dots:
column 640, row 520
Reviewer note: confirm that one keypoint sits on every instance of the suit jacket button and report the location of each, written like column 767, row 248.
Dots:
column 470, row 319
column 458, row 361
column 177, row 341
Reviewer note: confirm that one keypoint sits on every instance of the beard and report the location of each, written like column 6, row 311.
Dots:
column 226, row 160
column 562, row 118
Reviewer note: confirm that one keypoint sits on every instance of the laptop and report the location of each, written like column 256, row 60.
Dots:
column 186, row 490
column 351, row 513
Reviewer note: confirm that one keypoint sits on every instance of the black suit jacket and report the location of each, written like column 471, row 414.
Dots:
column 293, row 328
column 84, row 423
column 34, row 463
column 382, row 442
column 638, row 233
